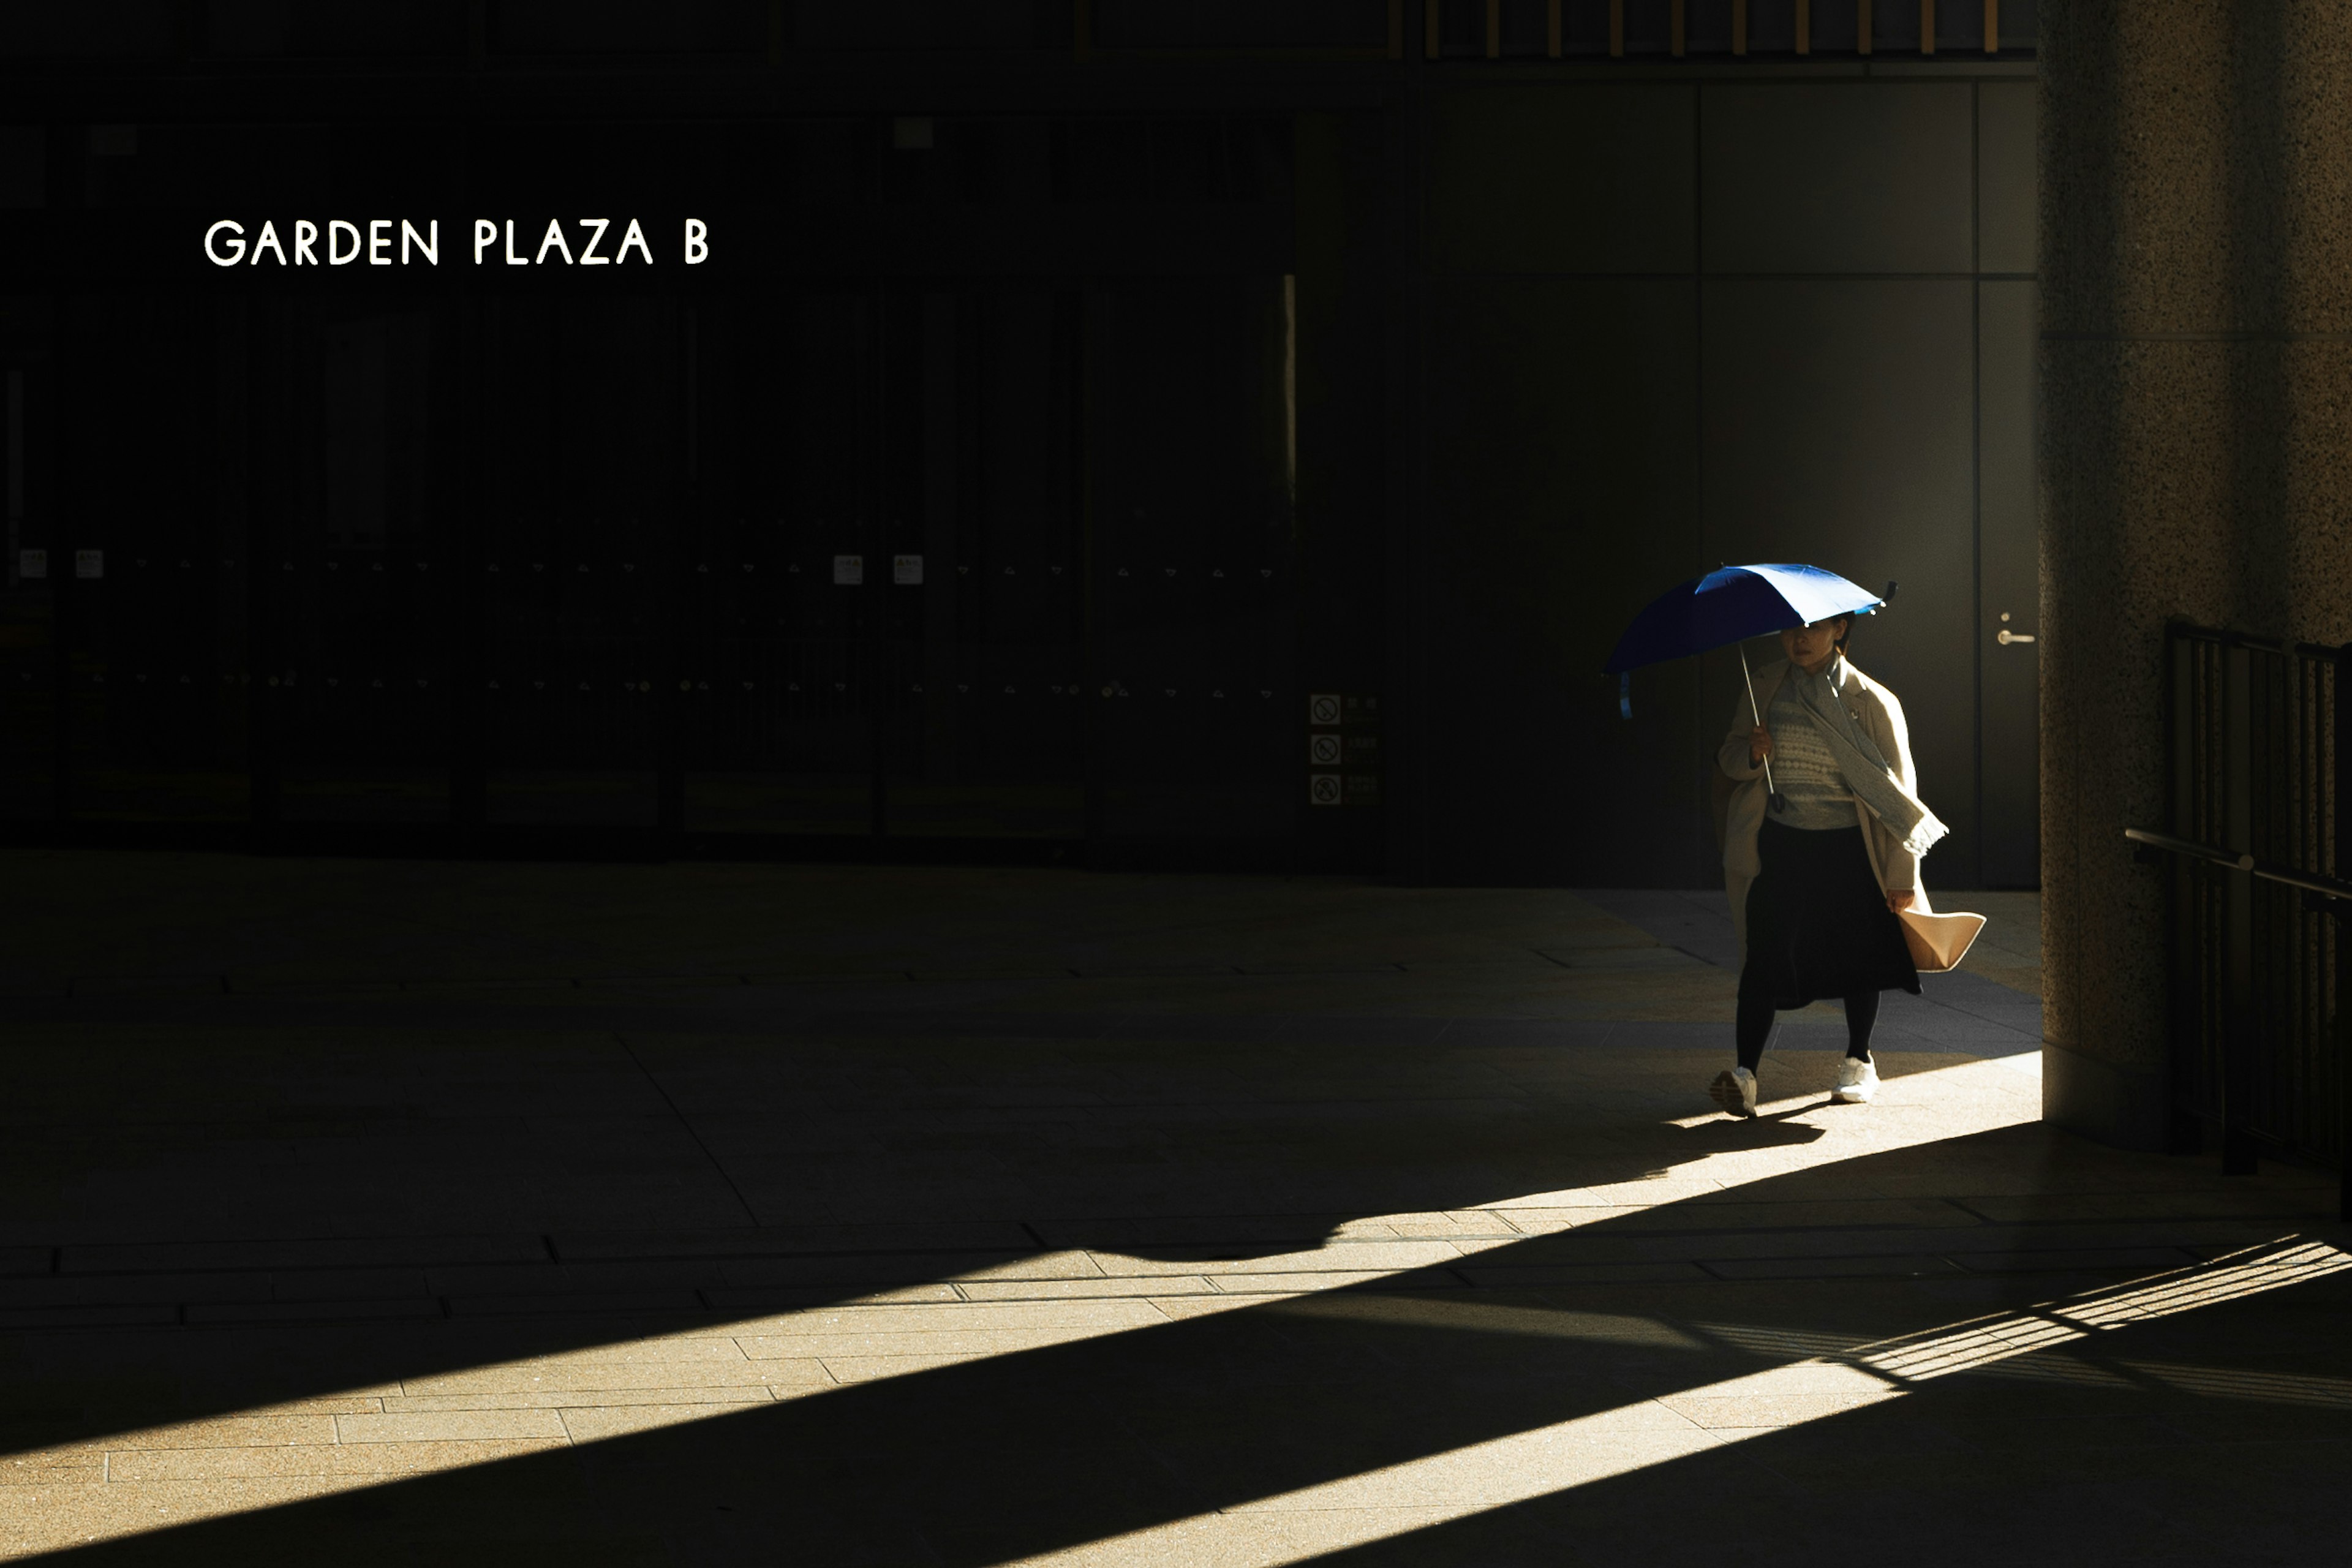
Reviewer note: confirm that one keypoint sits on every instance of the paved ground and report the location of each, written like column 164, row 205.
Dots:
column 706, row 1214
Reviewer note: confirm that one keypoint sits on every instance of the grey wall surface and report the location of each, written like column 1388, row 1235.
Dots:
column 2197, row 368
column 1676, row 323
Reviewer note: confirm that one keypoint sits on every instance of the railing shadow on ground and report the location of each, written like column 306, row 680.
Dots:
column 994, row 1460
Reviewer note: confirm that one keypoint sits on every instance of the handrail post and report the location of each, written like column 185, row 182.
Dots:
column 2185, row 1133
column 2238, row 1012
column 2340, row 763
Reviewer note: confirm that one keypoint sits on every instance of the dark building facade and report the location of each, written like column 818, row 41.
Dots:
column 1135, row 432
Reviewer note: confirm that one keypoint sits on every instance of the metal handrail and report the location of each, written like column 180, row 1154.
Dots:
column 2223, row 637
column 2310, row 882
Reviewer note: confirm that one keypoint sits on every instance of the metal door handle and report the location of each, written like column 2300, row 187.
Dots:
column 2005, row 637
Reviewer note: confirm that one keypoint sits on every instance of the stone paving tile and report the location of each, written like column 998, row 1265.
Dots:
column 2285, row 1194
column 588, row 1377
column 1246, row 1283
column 851, row 1367
column 1508, row 1276
column 333, row 1310
column 545, row 1277
column 55, row 1521
column 356, row 1403
column 1632, row 1437
column 961, row 1318
column 682, row 1300
column 2157, row 1246
column 87, row 1467
column 626, row 1344
column 2124, row 1259
column 891, row 1268
column 1893, row 1265
column 316, row 1253
column 597, row 1398
column 345, row 1284
column 1728, row 1211
column 222, row 1432
column 1074, row 1289
column 115, row 1290
column 1736, row 1412
column 595, row 1423
column 769, row 1298
column 448, row 1425
column 1473, row 1223
column 1183, row 1309
column 368, row 1457
column 1345, row 1256
column 956, row 1344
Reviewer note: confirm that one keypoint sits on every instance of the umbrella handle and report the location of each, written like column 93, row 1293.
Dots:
column 1771, row 792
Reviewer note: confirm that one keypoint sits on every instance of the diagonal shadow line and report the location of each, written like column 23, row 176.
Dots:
column 1437, row 1178
column 1134, row 1430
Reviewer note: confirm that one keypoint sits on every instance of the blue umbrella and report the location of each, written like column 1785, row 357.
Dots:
column 1729, row 605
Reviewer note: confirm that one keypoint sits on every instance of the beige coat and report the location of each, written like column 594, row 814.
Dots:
column 1882, row 718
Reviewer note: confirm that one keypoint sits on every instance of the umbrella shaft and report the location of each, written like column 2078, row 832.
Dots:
column 1769, row 788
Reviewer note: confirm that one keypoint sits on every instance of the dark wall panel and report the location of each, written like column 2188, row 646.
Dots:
column 1563, row 495
column 2007, row 180
column 1838, row 430
column 1592, row 440
column 1837, row 177
column 1532, row 179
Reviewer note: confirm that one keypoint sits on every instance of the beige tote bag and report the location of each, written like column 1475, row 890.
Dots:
column 1938, row 942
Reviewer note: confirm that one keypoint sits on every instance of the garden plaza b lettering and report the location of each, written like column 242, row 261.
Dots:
column 582, row 242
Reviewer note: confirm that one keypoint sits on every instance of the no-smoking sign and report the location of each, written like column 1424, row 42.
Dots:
column 1323, row 708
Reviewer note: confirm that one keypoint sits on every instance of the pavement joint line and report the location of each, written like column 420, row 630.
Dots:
column 724, row 1174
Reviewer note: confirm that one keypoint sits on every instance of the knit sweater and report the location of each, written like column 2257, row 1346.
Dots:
column 1805, row 770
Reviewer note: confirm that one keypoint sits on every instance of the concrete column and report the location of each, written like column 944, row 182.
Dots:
column 2196, row 371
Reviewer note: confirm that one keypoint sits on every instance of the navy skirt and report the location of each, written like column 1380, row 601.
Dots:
column 1817, row 924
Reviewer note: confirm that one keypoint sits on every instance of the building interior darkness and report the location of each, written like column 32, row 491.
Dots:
column 828, row 780
column 1202, row 361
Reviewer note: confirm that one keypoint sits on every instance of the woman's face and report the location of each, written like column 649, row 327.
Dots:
column 1810, row 647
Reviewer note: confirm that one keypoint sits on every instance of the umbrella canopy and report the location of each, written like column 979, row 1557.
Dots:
column 1732, row 604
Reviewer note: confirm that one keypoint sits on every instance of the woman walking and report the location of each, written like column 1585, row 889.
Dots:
column 1817, row 871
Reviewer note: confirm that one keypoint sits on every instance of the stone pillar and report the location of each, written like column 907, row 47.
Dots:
column 2196, row 369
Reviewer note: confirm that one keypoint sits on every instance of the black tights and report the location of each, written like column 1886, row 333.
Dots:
column 1755, row 1026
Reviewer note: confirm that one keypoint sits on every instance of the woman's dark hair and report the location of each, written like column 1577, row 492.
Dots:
column 1844, row 634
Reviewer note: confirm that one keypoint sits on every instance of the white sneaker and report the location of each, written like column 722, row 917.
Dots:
column 1735, row 1091
column 1857, row 1081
